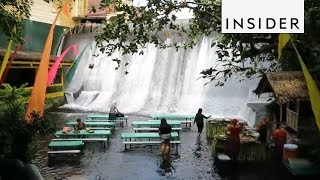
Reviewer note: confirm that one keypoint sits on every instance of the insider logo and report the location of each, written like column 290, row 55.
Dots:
column 262, row 16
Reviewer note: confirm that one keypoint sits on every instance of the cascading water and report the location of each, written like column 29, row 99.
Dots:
column 160, row 80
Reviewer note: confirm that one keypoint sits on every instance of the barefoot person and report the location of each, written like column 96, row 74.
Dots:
column 165, row 135
column 234, row 139
column 199, row 120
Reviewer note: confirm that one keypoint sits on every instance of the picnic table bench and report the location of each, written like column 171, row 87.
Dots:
column 105, row 117
column 65, row 147
column 149, row 138
column 154, row 123
column 84, row 135
column 92, row 125
column 184, row 119
column 139, row 129
column 172, row 116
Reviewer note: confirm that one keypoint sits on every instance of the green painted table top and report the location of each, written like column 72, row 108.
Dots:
column 154, row 123
column 93, row 124
column 102, row 116
column 172, row 116
column 65, row 143
column 84, row 133
column 146, row 135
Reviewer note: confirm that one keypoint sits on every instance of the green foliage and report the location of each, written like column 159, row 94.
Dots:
column 15, row 133
column 241, row 54
column 12, row 12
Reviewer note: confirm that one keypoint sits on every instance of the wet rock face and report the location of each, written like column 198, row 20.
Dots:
column 13, row 169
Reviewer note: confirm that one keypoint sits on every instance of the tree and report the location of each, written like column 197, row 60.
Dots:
column 246, row 54
column 12, row 12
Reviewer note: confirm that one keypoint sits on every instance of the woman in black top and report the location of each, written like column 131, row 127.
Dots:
column 165, row 135
column 199, row 120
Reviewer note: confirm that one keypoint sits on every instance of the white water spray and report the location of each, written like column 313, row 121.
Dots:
column 160, row 80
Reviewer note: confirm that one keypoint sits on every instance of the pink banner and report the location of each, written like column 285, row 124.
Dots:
column 54, row 68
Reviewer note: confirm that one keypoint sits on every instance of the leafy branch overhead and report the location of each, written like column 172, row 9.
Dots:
column 12, row 13
column 243, row 54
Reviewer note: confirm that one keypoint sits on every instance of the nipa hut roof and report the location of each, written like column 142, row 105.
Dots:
column 285, row 85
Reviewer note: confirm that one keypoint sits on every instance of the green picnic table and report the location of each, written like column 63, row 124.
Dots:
column 184, row 119
column 94, row 124
column 150, row 135
column 147, row 139
column 104, row 117
column 172, row 116
column 84, row 134
column 154, row 123
column 65, row 145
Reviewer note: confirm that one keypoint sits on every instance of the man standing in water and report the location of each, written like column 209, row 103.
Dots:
column 199, row 120
column 165, row 135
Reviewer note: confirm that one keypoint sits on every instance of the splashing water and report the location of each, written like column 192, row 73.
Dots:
column 159, row 81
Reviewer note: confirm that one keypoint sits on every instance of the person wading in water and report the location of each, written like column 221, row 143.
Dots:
column 199, row 120
column 165, row 135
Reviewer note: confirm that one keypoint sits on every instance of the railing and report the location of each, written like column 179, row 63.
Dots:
column 53, row 91
column 292, row 119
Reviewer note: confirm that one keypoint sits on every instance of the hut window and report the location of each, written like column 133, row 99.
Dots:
column 292, row 119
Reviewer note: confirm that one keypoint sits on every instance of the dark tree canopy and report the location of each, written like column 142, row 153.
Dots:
column 245, row 54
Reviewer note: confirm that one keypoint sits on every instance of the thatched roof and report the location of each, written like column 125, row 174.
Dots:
column 285, row 85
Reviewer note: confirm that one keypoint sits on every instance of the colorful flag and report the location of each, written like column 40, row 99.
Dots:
column 6, row 56
column 5, row 73
column 283, row 40
column 38, row 95
column 66, row 11
column 314, row 92
column 54, row 68
column 75, row 64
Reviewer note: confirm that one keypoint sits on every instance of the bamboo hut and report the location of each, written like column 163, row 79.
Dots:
column 288, row 88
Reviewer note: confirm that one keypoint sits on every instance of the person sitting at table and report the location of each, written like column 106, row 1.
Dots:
column 113, row 111
column 279, row 137
column 199, row 120
column 79, row 125
column 234, row 139
column 165, row 135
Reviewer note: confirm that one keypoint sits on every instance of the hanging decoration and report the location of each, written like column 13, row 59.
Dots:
column 54, row 68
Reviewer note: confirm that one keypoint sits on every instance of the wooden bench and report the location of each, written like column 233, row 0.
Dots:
column 176, row 143
column 103, row 140
column 65, row 152
column 187, row 122
column 100, row 128
column 153, row 129
column 50, row 153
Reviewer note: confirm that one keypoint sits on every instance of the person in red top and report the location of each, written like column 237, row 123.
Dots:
column 279, row 137
column 234, row 139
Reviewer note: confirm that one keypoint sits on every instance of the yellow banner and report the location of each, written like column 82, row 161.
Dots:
column 283, row 40
column 314, row 92
column 6, row 58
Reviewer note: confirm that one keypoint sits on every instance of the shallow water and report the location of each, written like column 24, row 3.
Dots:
column 193, row 162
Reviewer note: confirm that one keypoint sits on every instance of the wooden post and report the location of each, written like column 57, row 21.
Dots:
column 281, row 111
column 298, row 108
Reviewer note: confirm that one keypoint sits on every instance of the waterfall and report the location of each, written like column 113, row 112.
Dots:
column 160, row 80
